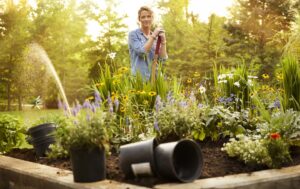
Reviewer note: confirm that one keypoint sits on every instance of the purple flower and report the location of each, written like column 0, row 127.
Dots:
column 74, row 111
column 87, row 104
column 108, row 98
column 156, row 125
column 78, row 106
column 93, row 108
column 228, row 100
column 110, row 108
column 277, row 104
column 116, row 102
column 97, row 97
column 169, row 96
column 221, row 99
column 183, row 104
column 200, row 105
column 157, row 103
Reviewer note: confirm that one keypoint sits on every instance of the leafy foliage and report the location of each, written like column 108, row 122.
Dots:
column 11, row 132
column 291, row 83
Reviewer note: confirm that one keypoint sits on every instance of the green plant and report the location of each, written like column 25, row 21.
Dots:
column 174, row 119
column 219, row 121
column 253, row 149
column 234, row 87
column 11, row 132
column 287, row 124
column 291, row 83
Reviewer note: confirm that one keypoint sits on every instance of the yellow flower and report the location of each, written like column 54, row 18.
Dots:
column 117, row 76
column 114, row 97
column 123, row 69
column 152, row 93
column 265, row 76
column 122, row 109
column 99, row 84
column 279, row 77
column 142, row 92
column 196, row 74
column 89, row 98
column 145, row 102
column 265, row 87
column 131, row 91
column 252, row 94
column 116, row 81
column 125, row 98
column 189, row 80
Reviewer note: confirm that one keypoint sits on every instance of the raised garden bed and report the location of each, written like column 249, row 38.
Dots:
column 216, row 163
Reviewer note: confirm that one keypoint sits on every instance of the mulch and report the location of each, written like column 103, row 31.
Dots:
column 216, row 163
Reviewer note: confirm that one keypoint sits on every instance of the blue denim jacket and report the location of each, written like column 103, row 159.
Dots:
column 140, row 60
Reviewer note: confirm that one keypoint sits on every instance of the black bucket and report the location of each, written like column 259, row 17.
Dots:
column 88, row 165
column 41, row 136
column 137, row 159
column 181, row 160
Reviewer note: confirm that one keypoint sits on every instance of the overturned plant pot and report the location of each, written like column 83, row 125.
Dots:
column 137, row 159
column 88, row 164
column 41, row 136
column 181, row 160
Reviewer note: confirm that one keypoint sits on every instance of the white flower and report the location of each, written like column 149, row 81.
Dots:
column 222, row 76
column 237, row 84
column 112, row 55
column 222, row 81
column 230, row 76
column 142, row 136
column 202, row 89
column 250, row 82
column 252, row 77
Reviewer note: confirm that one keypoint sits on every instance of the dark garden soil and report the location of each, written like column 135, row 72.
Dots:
column 216, row 163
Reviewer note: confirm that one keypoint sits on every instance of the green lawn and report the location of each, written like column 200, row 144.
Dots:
column 31, row 116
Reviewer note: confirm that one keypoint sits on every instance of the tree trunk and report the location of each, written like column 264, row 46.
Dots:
column 20, row 101
column 8, row 96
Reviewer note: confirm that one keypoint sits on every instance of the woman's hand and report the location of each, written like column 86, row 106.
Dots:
column 157, row 31
column 162, row 35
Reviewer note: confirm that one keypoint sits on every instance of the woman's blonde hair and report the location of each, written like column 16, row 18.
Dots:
column 144, row 8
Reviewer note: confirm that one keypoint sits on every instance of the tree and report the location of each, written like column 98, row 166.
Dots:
column 60, row 28
column 192, row 45
column 253, row 25
column 109, row 40
column 14, row 36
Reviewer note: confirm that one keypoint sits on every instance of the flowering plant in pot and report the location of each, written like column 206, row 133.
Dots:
column 86, row 138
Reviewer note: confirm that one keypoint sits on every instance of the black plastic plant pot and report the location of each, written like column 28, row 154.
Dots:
column 181, row 160
column 41, row 136
column 137, row 159
column 41, row 145
column 41, row 130
column 88, row 165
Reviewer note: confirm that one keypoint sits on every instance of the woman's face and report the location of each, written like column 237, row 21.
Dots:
column 145, row 19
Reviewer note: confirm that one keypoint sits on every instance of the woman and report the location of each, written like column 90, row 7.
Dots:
column 142, row 43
